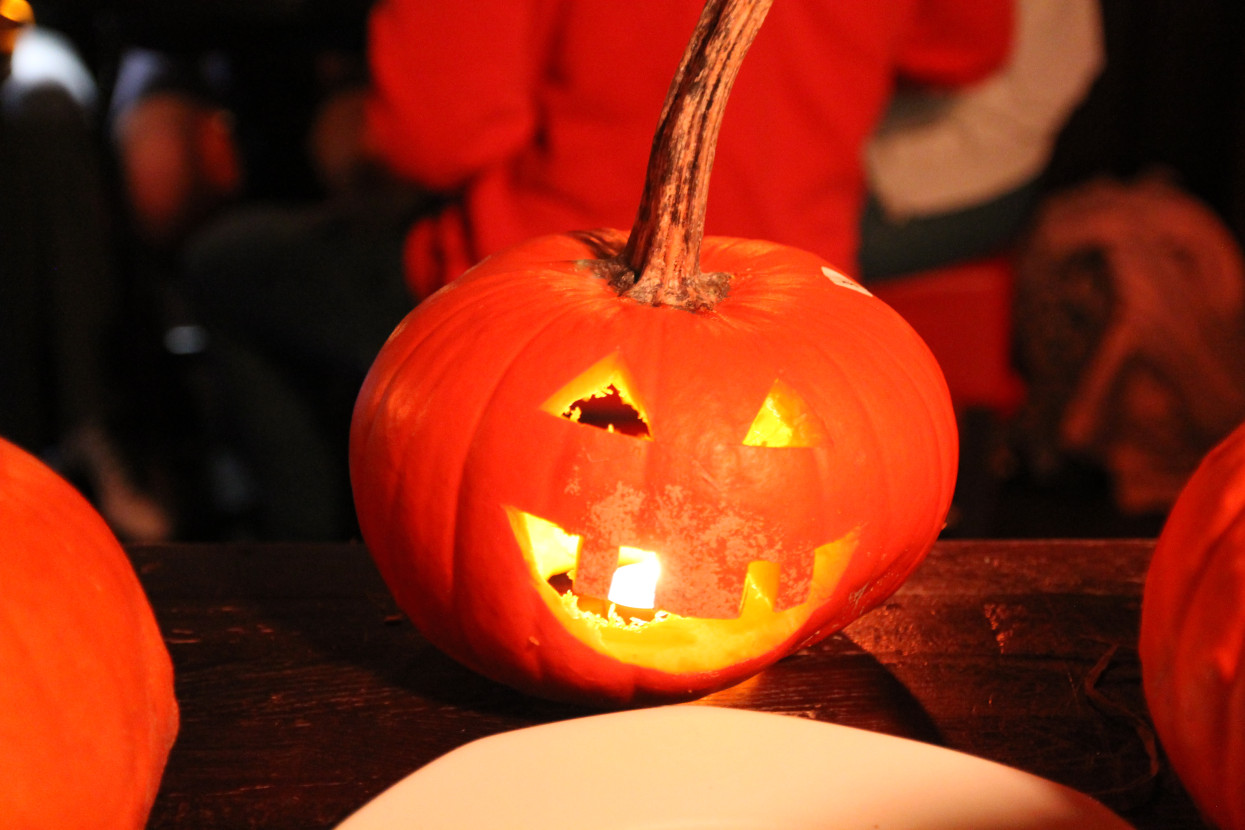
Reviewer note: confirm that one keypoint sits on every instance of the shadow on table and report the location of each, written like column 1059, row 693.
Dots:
column 297, row 674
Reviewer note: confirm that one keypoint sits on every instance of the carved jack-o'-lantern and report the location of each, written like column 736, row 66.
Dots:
column 588, row 490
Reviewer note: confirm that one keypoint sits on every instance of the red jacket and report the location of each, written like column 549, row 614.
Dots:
column 539, row 113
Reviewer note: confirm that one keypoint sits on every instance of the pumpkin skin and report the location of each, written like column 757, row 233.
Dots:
column 87, row 712
column 456, row 432
column 1192, row 644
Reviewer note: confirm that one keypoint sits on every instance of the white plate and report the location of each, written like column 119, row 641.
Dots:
column 706, row 768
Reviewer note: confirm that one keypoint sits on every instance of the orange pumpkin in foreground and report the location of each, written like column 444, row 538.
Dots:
column 620, row 469
column 1193, row 635
column 87, row 713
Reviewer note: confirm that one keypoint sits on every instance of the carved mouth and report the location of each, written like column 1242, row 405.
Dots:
column 626, row 625
column 632, row 592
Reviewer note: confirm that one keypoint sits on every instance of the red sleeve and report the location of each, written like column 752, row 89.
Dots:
column 954, row 42
column 453, row 85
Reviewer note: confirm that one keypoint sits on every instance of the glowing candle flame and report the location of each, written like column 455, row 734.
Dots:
column 635, row 582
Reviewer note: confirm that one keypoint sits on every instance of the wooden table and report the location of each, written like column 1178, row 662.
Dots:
column 304, row 693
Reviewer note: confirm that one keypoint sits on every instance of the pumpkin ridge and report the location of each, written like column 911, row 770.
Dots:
column 1187, row 663
column 505, row 370
column 377, row 391
column 1192, row 634
column 371, row 422
column 927, row 383
column 1193, row 584
column 831, row 360
column 888, row 572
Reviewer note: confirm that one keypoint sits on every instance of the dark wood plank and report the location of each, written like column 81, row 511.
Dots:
column 304, row 692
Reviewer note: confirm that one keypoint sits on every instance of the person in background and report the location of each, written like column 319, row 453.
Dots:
column 127, row 127
column 537, row 116
column 491, row 122
column 211, row 104
column 60, row 293
column 954, row 176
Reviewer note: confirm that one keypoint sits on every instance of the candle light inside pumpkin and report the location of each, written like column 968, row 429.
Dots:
column 634, row 584
column 554, row 553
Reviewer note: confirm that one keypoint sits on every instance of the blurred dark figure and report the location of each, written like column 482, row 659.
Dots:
column 59, row 295
column 1130, row 324
column 1131, row 331
column 212, row 103
column 192, row 108
column 224, row 116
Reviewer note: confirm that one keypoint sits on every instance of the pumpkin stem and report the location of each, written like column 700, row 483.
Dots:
column 660, row 264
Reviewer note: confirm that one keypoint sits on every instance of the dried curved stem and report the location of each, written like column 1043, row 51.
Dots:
column 660, row 264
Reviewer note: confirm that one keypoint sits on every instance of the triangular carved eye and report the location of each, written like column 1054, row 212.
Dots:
column 608, row 410
column 601, row 397
column 785, row 420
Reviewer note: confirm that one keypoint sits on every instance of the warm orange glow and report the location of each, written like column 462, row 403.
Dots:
column 15, row 14
column 601, row 396
column 663, row 640
column 784, row 420
column 635, row 582
column 551, row 550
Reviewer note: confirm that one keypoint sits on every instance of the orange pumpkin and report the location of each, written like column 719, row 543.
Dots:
column 87, row 713
column 1193, row 635
column 596, row 471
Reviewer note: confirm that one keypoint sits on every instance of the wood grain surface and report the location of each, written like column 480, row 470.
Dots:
column 304, row 692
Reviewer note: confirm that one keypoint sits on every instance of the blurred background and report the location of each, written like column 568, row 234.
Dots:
column 1088, row 311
